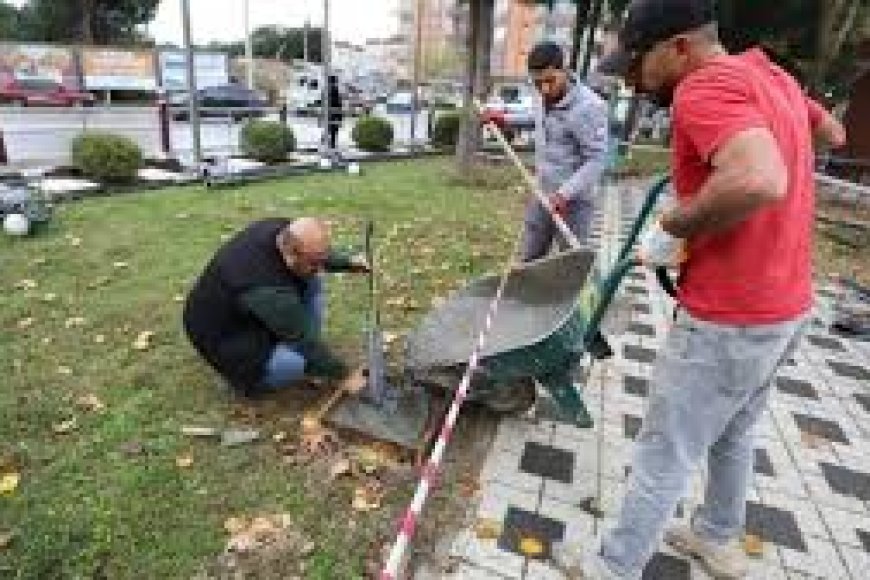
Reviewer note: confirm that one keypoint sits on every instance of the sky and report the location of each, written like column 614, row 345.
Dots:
column 351, row 20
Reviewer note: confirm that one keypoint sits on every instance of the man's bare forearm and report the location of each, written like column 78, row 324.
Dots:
column 727, row 198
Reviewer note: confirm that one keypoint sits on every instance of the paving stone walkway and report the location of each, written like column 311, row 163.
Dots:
column 809, row 502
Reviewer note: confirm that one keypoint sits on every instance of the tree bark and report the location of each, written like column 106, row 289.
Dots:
column 581, row 20
column 469, row 131
column 836, row 21
column 87, row 21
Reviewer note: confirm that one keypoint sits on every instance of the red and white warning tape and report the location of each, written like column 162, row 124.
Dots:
column 408, row 522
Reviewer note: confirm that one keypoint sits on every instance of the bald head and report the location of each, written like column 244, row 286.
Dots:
column 304, row 243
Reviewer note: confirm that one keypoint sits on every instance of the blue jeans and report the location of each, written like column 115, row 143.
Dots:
column 709, row 387
column 286, row 365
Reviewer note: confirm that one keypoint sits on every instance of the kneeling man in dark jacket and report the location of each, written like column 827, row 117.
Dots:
column 255, row 313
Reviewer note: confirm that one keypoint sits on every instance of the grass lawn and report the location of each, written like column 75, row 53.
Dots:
column 120, row 492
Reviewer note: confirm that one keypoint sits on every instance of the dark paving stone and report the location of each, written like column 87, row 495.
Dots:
column 519, row 524
column 821, row 428
column 796, row 387
column 641, row 307
column 865, row 539
column 630, row 426
column 825, row 342
column 642, row 329
column 846, row 481
column 547, row 461
column 763, row 464
column 636, row 290
column 636, row 386
column 864, row 401
column 849, row 371
column 639, row 353
column 666, row 567
column 774, row 525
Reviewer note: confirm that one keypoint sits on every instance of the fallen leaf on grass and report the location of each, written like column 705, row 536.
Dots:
column 66, row 371
column 279, row 437
column 367, row 498
column 25, row 323
column 96, row 283
column 9, row 482
column 41, row 260
column 178, row 298
column 47, row 340
column 531, row 547
column 90, row 402
column 74, row 241
column 390, row 337
column 339, row 468
column 182, row 216
column 191, row 431
column 143, row 340
column 184, row 460
column 247, row 534
column 235, row 525
column 437, row 302
column 74, row 322
column 25, row 284
column 120, row 265
column 752, row 545
column 131, row 448
column 65, row 426
column 6, row 539
column 487, row 529
column 49, row 297
column 100, row 338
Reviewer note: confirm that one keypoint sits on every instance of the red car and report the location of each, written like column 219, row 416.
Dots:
column 41, row 93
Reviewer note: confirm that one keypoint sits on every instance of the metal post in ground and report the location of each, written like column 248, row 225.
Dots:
column 415, row 97
column 163, row 119
column 193, row 105
column 249, row 50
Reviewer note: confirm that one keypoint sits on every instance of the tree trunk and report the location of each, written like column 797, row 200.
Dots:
column 86, row 22
column 484, row 52
column 469, row 131
column 836, row 21
column 581, row 20
column 594, row 20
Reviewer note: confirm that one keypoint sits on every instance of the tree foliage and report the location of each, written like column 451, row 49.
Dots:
column 276, row 42
column 87, row 21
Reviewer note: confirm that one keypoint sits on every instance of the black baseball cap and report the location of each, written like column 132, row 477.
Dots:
column 650, row 21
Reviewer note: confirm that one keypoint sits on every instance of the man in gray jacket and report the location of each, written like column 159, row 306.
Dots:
column 571, row 141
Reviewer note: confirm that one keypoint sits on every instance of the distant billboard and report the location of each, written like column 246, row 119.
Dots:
column 209, row 68
column 38, row 62
column 114, row 69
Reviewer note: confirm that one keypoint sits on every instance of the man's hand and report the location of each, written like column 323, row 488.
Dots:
column 657, row 247
column 559, row 204
column 355, row 382
column 359, row 264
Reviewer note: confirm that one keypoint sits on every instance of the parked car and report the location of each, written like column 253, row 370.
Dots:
column 403, row 102
column 41, row 92
column 231, row 100
column 511, row 108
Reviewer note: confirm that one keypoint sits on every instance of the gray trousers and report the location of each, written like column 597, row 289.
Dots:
column 710, row 384
column 540, row 231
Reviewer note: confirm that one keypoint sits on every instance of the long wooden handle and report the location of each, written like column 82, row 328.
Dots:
column 530, row 180
column 311, row 420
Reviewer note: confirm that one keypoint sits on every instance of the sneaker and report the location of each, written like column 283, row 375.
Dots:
column 575, row 565
column 721, row 562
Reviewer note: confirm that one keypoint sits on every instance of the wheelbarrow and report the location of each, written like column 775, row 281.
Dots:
column 549, row 318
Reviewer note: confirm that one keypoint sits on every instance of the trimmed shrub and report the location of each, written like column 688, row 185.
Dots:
column 267, row 141
column 445, row 133
column 373, row 133
column 107, row 157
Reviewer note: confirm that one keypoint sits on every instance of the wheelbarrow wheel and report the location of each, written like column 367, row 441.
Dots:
column 511, row 399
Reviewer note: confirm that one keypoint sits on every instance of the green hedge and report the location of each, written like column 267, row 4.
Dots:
column 107, row 157
column 445, row 133
column 373, row 134
column 267, row 141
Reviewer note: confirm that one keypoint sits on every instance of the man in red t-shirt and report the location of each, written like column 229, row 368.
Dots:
column 743, row 174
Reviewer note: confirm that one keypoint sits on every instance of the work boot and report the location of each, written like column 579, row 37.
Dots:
column 571, row 561
column 722, row 562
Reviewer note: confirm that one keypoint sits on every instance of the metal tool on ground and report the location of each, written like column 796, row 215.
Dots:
column 382, row 411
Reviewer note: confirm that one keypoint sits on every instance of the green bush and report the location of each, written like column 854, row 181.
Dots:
column 106, row 157
column 445, row 133
column 373, row 133
column 267, row 141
